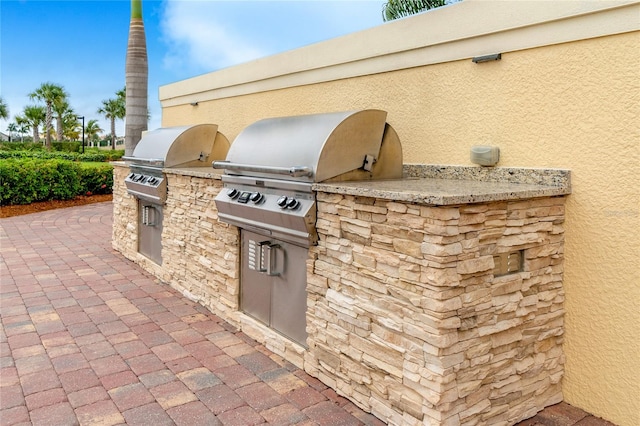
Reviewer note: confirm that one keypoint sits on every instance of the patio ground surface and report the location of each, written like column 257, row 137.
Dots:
column 87, row 337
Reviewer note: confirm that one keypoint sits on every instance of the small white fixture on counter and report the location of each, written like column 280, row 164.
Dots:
column 485, row 155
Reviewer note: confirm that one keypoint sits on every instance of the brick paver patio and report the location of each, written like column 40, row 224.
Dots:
column 89, row 338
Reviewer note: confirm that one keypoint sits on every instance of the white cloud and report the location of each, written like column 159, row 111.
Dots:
column 203, row 36
column 201, row 40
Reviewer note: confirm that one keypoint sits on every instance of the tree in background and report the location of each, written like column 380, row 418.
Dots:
column 71, row 127
column 34, row 115
column 4, row 110
column 50, row 93
column 113, row 109
column 395, row 9
column 23, row 126
column 136, row 80
column 63, row 111
column 91, row 130
column 12, row 128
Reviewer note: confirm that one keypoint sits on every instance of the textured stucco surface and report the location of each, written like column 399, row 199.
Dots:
column 575, row 106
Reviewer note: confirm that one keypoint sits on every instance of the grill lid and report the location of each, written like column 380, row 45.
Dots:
column 313, row 148
column 183, row 146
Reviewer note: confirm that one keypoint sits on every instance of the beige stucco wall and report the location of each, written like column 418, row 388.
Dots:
column 569, row 103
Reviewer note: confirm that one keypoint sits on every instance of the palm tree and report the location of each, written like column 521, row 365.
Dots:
column 12, row 128
column 113, row 109
column 23, row 126
column 136, row 78
column 4, row 109
column 395, row 9
column 35, row 115
column 63, row 111
column 71, row 127
column 50, row 93
column 92, row 129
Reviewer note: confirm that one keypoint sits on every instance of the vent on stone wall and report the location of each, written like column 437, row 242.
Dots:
column 508, row 263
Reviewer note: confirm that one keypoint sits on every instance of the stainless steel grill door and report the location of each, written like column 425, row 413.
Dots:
column 273, row 286
column 150, row 230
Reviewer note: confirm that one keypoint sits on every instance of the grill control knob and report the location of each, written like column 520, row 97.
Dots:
column 256, row 197
column 292, row 203
column 232, row 193
column 282, row 202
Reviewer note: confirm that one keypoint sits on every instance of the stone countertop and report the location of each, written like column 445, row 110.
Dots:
column 441, row 185
column 201, row 172
column 440, row 192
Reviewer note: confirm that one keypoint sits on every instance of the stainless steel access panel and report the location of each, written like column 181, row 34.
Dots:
column 274, row 282
column 150, row 230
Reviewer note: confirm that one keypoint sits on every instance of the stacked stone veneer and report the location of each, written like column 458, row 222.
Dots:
column 199, row 253
column 406, row 318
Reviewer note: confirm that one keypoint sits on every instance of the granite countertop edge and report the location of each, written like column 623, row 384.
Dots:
column 450, row 185
column 433, row 193
column 201, row 172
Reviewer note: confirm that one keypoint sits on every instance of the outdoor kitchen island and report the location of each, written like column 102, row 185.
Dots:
column 435, row 299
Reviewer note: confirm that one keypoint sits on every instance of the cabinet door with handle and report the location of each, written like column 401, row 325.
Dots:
column 289, row 292
column 273, row 284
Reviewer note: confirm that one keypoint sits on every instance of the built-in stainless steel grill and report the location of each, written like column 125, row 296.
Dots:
column 272, row 164
column 169, row 147
column 269, row 172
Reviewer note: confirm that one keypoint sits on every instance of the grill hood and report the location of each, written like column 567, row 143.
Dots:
column 317, row 148
column 182, row 146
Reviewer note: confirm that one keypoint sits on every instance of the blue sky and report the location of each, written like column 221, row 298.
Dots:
column 81, row 44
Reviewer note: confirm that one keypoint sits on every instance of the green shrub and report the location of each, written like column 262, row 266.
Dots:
column 66, row 146
column 96, row 178
column 26, row 181
column 93, row 156
column 21, row 146
column 115, row 154
column 23, row 181
column 109, row 154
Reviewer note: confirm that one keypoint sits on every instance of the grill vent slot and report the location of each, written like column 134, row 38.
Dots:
column 148, row 216
column 508, row 263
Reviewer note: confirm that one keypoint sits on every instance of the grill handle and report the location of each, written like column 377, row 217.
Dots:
column 267, row 258
column 294, row 171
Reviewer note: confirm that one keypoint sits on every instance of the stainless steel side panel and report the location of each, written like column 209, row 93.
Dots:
column 278, row 300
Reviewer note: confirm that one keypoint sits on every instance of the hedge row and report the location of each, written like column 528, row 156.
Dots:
column 69, row 156
column 24, row 181
column 38, row 146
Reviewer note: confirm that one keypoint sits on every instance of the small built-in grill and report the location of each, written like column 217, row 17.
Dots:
column 269, row 172
column 169, row 147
